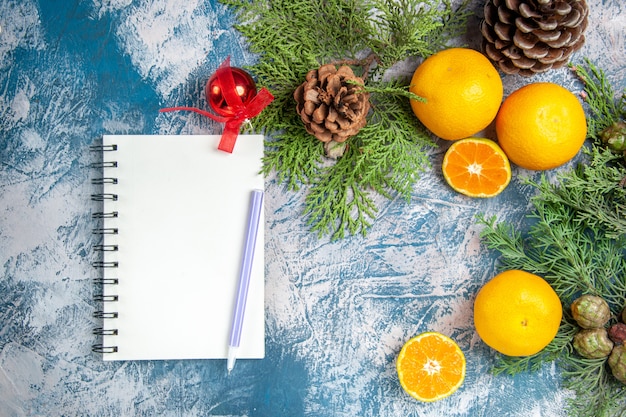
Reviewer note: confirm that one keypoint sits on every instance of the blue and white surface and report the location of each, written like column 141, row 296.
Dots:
column 337, row 313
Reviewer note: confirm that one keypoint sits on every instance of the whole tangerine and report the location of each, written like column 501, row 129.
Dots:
column 541, row 126
column 462, row 93
column 517, row 313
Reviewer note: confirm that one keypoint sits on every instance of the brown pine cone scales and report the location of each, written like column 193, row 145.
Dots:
column 332, row 103
column 531, row 36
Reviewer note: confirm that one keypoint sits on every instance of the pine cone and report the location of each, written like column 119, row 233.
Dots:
column 614, row 137
column 531, row 36
column 593, row 343
column 332, row 108
column 590, row 311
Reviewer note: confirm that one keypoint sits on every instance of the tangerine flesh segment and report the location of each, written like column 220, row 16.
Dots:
column 431, row 366
column 476, row 167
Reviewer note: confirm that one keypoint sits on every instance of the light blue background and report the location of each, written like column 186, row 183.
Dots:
column 337, row 313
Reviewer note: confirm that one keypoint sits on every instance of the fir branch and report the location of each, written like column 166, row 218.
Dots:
column 386, row 157
column 292, row 37
column 336, row 209
column 593, row 190
column 574, row 255
column 454, row 23
column 601, row 98
column 504, row 238
column 390, row 89
column 294, row 157
column 576, row 241
column 597, row 393
column 408, row 28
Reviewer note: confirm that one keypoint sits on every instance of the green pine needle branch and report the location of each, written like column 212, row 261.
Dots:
column 605, row 109
column 576, row 240
column 292, row 37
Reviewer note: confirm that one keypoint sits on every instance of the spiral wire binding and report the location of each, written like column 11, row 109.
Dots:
column 102, row 181
column 101, row 265
column 106, row 231
column 105, row 248
column 101, row 215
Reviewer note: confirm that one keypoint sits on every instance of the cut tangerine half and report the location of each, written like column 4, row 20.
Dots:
column 430, row 366
column 476, row 167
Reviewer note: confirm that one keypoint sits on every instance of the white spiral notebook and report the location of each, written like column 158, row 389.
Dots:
column 173, row 226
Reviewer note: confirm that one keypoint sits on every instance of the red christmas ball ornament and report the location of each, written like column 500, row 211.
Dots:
column 231, row 93
column 244, row 87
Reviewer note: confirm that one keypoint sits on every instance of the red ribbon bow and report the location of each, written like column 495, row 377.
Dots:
column 241, row 111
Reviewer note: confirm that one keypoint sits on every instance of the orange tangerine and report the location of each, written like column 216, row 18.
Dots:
column 463, row 92
column 476, row 167
column 517, row 313
column 430, row 366
column 541, row 126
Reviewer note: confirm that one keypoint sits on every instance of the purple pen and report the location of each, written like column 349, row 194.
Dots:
column 254, row 215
